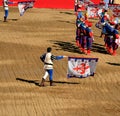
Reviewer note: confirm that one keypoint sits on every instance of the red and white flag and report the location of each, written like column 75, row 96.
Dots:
column 24, row 5
column 81, row 67
column 115, row 9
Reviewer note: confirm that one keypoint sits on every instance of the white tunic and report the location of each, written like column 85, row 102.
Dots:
column 5, row 4
column 48, row 62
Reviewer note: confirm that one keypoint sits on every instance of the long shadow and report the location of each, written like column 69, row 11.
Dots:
column 115, row 64
column 66, row 46
column 28, row 81
column 70, row 47
column 37, row 84
column 68, row 13
column 13, row 19
column 9, row 20
column 63, row 82
column 98, row 48
column 66, row 22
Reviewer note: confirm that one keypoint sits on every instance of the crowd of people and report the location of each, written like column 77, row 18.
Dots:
column 84, row 33
column 110, row 31
column 110, row 27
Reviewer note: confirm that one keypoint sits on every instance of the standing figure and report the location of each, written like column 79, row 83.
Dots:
column 110, row 38
column 48, row 58
column 86, row 38
column 103, row 19
column 79, row 21
column 89, row 37
column 6, row 8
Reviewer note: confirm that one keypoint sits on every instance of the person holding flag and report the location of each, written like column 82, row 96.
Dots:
column 6, row 8
column 48, row 58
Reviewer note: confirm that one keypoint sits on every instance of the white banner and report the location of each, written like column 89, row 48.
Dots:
column 94, row 10
column 23, row 6
column 81, row 67
column 115, row 9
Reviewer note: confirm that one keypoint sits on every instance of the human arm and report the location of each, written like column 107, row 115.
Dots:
column 57, row 57
column 12, row 2
column 42, row 57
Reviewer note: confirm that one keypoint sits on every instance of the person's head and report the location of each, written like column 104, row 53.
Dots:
column 49, row 49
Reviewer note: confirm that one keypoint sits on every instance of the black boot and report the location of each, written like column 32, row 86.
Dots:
column 51, row 83
column 42, row 83
column 5, row 19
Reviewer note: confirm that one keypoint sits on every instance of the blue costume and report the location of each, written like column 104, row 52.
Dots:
column 48, row 58
column 111, row 34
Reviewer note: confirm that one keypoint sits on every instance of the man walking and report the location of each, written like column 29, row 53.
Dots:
column 48, row 58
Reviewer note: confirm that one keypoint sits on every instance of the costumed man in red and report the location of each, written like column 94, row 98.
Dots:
column 111, row 34
column 104, row 17
column 79, row 21
column 89, row 37
column 86, row 37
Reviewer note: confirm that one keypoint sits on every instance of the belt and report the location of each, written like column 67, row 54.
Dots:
column 48, row 63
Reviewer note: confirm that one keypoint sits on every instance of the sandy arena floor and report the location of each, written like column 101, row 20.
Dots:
column 24, row 39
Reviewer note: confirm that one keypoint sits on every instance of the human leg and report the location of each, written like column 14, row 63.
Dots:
column 50, row 72
column 115, row 46
column 44, row 78
column 6, row 15
column 89, row 44
column 83, row 44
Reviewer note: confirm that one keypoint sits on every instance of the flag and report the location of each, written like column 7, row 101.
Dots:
column 81, row 67
column 115, row 9
column 117, row 41
column 94, row 10
column 24, row 5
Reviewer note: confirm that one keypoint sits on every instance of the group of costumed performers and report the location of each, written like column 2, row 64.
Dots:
column 109, row 26
column 110, row 31
column 84, row 34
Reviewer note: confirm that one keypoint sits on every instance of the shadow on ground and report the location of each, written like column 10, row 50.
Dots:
column 63, row 21
column 68, row 13
column 115, row 64
column 66, row 46
column 13, row 19
column 70, row 47
column 37, row 84
column 98, row 48
column 28, row 81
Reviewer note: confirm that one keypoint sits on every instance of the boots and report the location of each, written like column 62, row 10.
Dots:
column 88, row 51
column 5, row 19
column 110, row 51
column 51, row 83
column 114, row 53
column 42, row 83
column 77, row 42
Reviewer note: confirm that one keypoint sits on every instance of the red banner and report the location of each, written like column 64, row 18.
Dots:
column 64, row 4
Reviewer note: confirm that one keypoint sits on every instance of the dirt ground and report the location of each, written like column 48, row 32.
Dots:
column 24, row 39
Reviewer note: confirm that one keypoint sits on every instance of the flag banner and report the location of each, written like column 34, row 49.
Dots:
column 83, row 4
column 115, row 9
column 94, row 10
column 23, row 6
column 81, row 67
column 117, row 41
